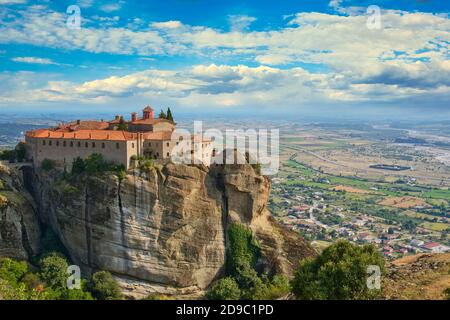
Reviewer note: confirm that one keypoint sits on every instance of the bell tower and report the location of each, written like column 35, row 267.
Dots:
column 148, row 113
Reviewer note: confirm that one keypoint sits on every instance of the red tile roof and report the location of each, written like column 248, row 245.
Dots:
column 112, row 135
column 431, row 245
column 84, row 125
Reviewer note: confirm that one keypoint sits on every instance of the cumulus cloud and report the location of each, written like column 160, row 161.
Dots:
column 166, row 25
column 407, row 58
column 222, row 86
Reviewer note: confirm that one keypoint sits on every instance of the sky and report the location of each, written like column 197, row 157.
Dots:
column 206, row 56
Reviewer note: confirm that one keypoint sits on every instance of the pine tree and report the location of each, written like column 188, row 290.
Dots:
column 162, row 115
column 169, row 115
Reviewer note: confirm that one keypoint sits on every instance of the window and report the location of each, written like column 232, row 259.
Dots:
column 149, row 144
column 132, row 145
column 157, row 154
column 103, row 145
column 43, row 142
column 168, row 144
column 50, row 143
column 93, row 144
column 79, row 144
column 86, row 144
column 117, row 145
column 57, row 143
column 168, row 154
column 64, row 143
column 71, row 143
column 177, row 142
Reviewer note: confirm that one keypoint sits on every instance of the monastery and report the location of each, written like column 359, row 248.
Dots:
column 119, row 141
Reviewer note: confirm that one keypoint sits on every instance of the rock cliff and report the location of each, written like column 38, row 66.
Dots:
column 164, row 230
column 19, row 225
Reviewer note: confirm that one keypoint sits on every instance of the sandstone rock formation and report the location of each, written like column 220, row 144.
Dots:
column 161, row 231
column 19, row 225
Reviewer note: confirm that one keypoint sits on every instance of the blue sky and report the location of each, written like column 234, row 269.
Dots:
column 206, row 56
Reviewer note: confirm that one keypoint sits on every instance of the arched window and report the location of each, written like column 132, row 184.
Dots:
column 43, row 142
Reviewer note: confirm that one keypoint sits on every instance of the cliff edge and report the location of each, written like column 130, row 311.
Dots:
column 164, row 230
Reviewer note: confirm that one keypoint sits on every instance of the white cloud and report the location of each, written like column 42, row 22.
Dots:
column 406, row 59
column 33, row 60
column 220, row 86
column 172, row 24
column 240, row 23
column 12, row 1
column 111, row 7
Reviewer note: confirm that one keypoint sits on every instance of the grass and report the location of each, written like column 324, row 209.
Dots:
column 435, row 226
column 417, row 215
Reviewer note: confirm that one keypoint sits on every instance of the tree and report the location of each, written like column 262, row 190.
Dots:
column 78, row 166
column 95, row 163
column 225, row 289
column 54, row 271
column 169, row 115
column 339, row 273
column 48, row 164
column 20, row 151
column 78, row 294
column 104, row 287
column 122, row 125
column 162, row 115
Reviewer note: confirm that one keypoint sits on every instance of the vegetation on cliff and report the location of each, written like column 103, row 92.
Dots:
column 243, row 281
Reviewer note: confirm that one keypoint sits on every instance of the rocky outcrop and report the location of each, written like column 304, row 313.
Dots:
column 418, row 277
column 164, row 230
column 19, row 224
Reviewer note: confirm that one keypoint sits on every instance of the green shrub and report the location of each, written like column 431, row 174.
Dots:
column 147, row 165
column 243, row 249
column 104, row 287
column 54, row 271
column 20, row 152
column 47, row 164
column 78, row 166
column 339, row 273
column 447, row 293
column 7, row 154
column 225, row 289
column 12, row 271
column 95, row 163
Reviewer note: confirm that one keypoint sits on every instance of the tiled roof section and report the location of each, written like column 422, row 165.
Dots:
column 160, row 135
column 84, row 125
column 149, row 121
column 111, row 135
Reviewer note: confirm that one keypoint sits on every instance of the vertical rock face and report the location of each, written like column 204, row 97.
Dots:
column 19, row 225
column 163, row 231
